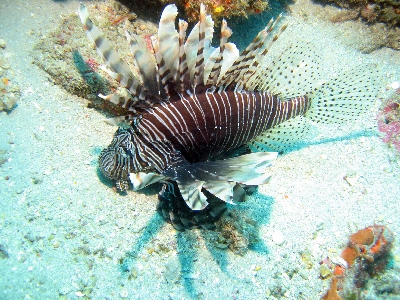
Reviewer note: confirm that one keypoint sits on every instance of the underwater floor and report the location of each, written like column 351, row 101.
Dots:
column 65, row 233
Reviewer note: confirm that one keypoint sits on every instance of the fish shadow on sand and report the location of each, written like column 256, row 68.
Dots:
column 183, row 269
column 346, row 137
column 95, row 83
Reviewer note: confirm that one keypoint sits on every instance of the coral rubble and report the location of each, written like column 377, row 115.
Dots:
column 389, row 119
column 60, row 53
column 236, row 233
column 9, row 91
column 386, row 11
column 367, row 255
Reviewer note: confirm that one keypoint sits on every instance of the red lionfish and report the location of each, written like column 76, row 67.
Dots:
column 191, row 102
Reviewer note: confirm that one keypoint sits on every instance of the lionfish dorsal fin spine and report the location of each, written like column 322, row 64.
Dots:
column 215, row 71
column 245, row 65
column 164, row 76
column 229, row 56
column 211, row 61
column 243, row 60
column 197, row 48
column 163, row 92
column 251, row 75
column 121, row 69
column 167, row 47
column 191, row 45
column 134, row 86
column 122, row 100
column 144, row 62
column 251, row 81
column 183, row 76
column 199, row 66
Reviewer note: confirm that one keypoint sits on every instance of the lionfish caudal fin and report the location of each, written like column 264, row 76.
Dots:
column 341, row 99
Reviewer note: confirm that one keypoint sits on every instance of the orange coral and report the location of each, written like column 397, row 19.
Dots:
column 366, row 255
column 364, row 237
column 332, row 293
column 350, row 255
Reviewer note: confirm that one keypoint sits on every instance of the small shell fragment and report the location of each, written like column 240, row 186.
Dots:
column 79, row 294
column 324, row 271
column 278, row 238
column 351, row 180
column 395, row 85
column 4, row 63
column 124, row 294
column 339, row 261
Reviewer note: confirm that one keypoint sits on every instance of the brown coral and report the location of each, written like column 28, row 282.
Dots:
column 386, row 11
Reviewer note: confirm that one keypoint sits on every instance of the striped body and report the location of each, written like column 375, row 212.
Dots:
column 200, row 127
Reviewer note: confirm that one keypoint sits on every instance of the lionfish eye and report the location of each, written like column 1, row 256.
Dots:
column 115, row 160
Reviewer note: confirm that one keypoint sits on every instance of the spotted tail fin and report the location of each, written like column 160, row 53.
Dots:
column 297, row 72
column 345, row 97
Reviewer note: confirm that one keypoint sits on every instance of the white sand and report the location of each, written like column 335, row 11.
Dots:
column 66, row 232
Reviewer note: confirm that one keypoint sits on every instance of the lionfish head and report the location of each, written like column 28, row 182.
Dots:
column 116, row 161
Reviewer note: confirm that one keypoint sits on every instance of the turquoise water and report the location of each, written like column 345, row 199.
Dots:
column 66, row 233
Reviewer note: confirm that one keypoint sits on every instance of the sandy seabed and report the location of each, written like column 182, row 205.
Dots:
column 65, row 234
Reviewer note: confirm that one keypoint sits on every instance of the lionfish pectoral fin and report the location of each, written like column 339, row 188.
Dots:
column 282, row 137
column 219, row 178
column 174, row 210
column 141, row 179
column 192, row 194
column 189, row 182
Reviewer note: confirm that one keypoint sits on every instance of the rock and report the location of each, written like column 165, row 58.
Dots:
column 278, row 238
